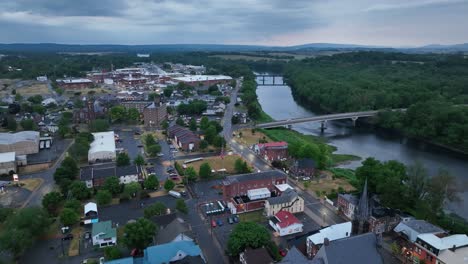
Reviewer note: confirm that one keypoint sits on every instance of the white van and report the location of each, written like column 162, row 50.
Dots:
column 175, row 194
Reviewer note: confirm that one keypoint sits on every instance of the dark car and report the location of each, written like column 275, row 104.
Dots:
column 68, row 237
column 136, row 253
column 137, row 133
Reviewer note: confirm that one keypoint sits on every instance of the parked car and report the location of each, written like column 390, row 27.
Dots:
column 160, row 154
column 219, row 222
column 230, row 220
column 137, row 133
column 87, row 235
column 213, row 223
column 306, row 178
column 236, row 219
column 136, row 253
column 282, row 252
column 68, row 237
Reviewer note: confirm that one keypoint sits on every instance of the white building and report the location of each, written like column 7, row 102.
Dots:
column 285, row 223
column 260, row 193
column 102, row 148
column 103, row 234
column 7, row 162
column 333, row 232
column 41, row 78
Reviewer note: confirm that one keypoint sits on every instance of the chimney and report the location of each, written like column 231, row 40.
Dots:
column 326, row 241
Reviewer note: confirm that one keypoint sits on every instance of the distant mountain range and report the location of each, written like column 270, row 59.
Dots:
column 53, row 47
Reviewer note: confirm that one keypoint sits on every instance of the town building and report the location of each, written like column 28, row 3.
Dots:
column 288, row 201
column 294, row 256
column 102, row 149
column 48, row 101
column 95, row 176
column 272, row 150
column 103, row 234
column 383, row 220
column 90, row 213
column 202, row 80
column 303, row 168
column 441, row 250
column 7, row 163
column 91, row 110
column 173, row 252
column 74, row 83
column 174, row 231
column 185, row 139
column 130, row 96
column 285, row 223
column 364, row 248
column 347, row 204
column 255, row 256
column 410, row 230
column 138, row 105
column 22, row 143
column 154, row 114
column 331, row 233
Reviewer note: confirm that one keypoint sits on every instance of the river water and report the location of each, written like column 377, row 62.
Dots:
column 363, row 141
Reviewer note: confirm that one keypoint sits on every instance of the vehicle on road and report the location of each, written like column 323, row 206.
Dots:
column 68, row 237
column 230, row 221
column 140, row 146
column 213, row 223
column 219, row 222
column 160, row 154
column 306, row 179
column 175, row 194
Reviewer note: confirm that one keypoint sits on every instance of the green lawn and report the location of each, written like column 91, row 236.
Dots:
column 255, row 216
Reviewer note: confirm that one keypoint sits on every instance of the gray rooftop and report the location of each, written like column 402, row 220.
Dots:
column 272, row 174
column 349, row 197
column 294, row 256
column 351, row 250
column 422, row 226
column 11, row 138
column 286, row 197
column 107, row 170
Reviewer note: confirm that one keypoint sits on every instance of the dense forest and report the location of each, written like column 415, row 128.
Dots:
column 434, row 88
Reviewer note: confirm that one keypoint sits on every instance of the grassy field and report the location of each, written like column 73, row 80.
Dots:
column 255, row 216
column 343, row 158
column 326, row 185
column 248, row 138
column 74, row 249
column 26, row 89
column 291, row 136
column 31, row 184
column 216, row 163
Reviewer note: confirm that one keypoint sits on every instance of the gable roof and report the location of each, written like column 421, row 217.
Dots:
column 90, row 207
column 165, row 252
column 351, row 250
column 171, row 231
column 332, row 232
column 413, row 228
column 286, row 219
column 445, row 242
column 104, row 230
column 294, row 256
column 257, row 256
column 287, row 196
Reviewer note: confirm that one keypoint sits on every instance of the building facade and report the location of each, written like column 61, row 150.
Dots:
column 272, row 150
column 288, row 201
column 154, row 115
column 22, row 143
column 347, row 204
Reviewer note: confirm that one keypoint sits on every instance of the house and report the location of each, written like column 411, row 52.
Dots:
column 255, row 256
column 184, row 138
column 175, row 231
column 272, row 150
column 285, row 223
column 358, row 249
column 303, row 168
column 331, row 233
column 440, row 250
column 347, row 204
column 90, row 213
column 172, row 252
column 102, row 148
column 48, row 101
column 294, row 256
column 410, row 230
column 96, row 175
column 103, row 234
column 289, row 201
column 383, row 220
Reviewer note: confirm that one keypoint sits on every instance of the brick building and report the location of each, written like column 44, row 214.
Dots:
column 347, row 204
column 154, row 114
column 272, row 150
column 72, row 83
column 185, row 139
column 303, row 168
column 441, row 250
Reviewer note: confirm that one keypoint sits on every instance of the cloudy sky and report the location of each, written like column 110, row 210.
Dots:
column 268, row 22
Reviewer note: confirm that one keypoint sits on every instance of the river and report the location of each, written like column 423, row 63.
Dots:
column 364, row 141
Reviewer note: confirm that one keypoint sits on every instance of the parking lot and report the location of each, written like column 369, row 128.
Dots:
column 130, row 142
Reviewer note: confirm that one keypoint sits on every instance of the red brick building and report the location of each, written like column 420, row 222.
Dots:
column 154, row 114
column 303, row 168
column 72, row 83
column 347, row 204
column 272, row 150
column 184, row 138
column 440, row 250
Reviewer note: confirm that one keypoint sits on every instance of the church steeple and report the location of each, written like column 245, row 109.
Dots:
column 363, row 209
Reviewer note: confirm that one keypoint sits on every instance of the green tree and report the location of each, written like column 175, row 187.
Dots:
column 52, row 201
column 157, row 208
column 151, row 182
column 165, row 124
column 247, row 234
column 123, row 159
column 193, row 124
column 103, row 197
column 191, row 174
column 210, row 134
column 181, row 206
column 139, row 234
column 205, row 171
column 153, row 150
column 73, row 204
column 241, row 166
column 133, row 115
column 118, row 113
column 69, row 217
column 204, row 123
column 112, row 184
column 180, row 121
column 169, row 185
column 132, row 189
column 111, row 253
column 11, row 123
column 149, row 140
column 28, row 124
column 79, row 190
column 99, row 125
column 16, row 241
column 63, row 130
column 139, row 160
column 204, row 144
column 168, row 91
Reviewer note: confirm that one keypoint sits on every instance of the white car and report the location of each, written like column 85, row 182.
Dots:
column 160, row 154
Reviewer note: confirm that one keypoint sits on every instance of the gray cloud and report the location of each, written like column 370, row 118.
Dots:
column 275, row 22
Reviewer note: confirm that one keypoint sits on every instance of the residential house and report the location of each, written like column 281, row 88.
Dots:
column 272, row 151
column 103, row 234
column 358, row 249
column 314, row 242
column 383, row 220
column 95, row 176
column 441, row 250
column 74, row 83
column 175, row 231
column 255, row 256
column 289, row 201
column 285, row 223
column 347, row 204
column 303, row 168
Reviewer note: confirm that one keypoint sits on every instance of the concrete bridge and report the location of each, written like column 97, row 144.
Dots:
column 322, row 119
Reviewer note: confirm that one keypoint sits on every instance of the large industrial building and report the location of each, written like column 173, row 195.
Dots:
column 203, row 80
column 22, row 143
column 102, row 148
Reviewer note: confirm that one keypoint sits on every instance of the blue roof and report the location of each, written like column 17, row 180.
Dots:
column 165, row 252
column 121, row 261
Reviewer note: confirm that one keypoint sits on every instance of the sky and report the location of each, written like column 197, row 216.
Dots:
column 396, row 23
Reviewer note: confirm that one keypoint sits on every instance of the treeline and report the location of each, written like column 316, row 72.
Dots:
column 426, row 84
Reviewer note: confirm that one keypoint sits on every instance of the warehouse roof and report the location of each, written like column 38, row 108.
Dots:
column 12, row 138
column 201, row 78
column 7, row 157
column 103, row 141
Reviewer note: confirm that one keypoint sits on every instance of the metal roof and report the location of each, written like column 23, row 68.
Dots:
column 12, row 138
column 332, row 232
column 7, row 157
column 103, row 141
